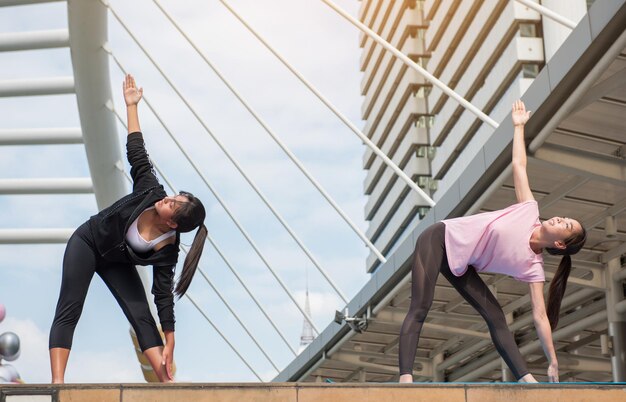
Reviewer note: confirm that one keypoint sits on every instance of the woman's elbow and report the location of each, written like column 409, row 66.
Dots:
column 518, row 165
column 540, row 316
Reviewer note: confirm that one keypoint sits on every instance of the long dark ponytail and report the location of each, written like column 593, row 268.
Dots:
column 557, row 287
column 188, row 216
column 191, row 262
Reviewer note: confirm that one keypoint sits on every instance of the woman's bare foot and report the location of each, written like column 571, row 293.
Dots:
column 404, row 378
column 528, row 378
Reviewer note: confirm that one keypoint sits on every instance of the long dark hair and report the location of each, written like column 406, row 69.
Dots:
column 188, row 216
column 573, row 244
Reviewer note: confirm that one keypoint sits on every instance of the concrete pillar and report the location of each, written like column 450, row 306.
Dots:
column 87, row 20
column 617, row 321
column 507, row 374
column 438, row 375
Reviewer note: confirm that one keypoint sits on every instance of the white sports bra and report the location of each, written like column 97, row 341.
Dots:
column 138, row 243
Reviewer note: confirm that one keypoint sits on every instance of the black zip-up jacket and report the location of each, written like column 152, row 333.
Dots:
column 110, row 225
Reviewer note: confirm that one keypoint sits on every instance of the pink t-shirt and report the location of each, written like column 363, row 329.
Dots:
column 496, row 242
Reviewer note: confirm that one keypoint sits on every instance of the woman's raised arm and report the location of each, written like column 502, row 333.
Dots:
column 520, row 178
column 132, row 96
column 141, row 169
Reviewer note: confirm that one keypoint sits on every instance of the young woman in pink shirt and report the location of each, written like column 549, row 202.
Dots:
column 508, row 241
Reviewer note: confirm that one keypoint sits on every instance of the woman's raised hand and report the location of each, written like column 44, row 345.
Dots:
column 132, row 94
column 519, row 114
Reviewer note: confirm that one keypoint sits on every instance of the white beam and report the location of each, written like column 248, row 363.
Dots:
column 14, row 41
column 7, row 3
column 37, row 86
column 597, row 282
column 41, row 136
column 355, row 360
column 570, row 362
column 613, row 253
column 616, row 209
column 579, row 162
column 562, row 190
column 594, row 266
column 610, row 84
column 395, row 318
column 34, row 236
column 46, row 186
column 87, row 21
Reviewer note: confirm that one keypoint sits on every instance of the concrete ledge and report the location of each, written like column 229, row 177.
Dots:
column 309, row 392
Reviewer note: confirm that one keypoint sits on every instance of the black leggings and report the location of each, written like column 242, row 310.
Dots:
column 429, row 259
column 80, row 262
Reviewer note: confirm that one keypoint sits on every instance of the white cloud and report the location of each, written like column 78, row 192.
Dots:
column 33, row 364
column 84, row 366
column 97, row 366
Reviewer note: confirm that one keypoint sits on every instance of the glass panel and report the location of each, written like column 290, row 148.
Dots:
column 530, row 70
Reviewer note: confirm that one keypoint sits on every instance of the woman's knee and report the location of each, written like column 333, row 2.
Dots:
column 496, row 321
column 69, row 312
column 419, row 313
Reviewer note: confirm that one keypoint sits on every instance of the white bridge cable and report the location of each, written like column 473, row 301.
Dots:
column 276, row 139
column 431, row 78
column 215, row 246
column 234, row 162
column 241, row 281
column 336, row 111
column 222, row 203
column 200, row 310
column 188, row 296
column 548, row 13
column 229, row 307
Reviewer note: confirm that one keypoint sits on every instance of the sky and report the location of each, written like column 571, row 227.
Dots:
column 325, row 49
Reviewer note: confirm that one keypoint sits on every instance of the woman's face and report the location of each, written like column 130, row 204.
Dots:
column 166, row 208
column 561, row 228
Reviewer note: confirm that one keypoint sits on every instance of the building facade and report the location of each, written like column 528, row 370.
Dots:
column 488, row 51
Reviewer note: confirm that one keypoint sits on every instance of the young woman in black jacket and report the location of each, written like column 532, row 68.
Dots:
column 143, row 228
